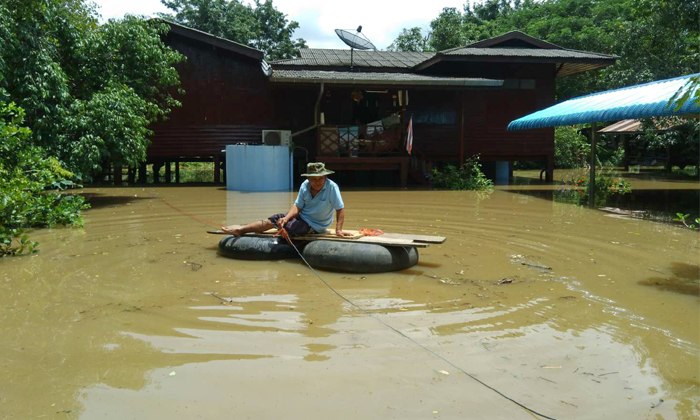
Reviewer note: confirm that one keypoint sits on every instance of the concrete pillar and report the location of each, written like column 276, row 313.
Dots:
column 502, row 173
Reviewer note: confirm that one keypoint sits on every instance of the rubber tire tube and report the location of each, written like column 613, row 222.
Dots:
column 255, row 248
column 355, row 257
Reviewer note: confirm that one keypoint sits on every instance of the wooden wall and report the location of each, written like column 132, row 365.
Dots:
column 487, row 115
column 227, row 100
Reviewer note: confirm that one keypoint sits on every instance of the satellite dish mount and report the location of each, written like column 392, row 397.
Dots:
column 355, row 40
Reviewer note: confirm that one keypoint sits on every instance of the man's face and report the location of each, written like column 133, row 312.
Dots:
column 317, row 182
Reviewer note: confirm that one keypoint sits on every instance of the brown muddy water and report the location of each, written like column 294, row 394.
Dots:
column 118, row 321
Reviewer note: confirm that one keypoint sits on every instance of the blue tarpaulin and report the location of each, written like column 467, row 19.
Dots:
column 640, row 101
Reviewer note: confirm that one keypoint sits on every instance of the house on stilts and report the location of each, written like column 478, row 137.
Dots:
column 352, row 112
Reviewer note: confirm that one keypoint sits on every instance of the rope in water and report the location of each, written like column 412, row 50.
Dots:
column 285, row 235
column 194, row 216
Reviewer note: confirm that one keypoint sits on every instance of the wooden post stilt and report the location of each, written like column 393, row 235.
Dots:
column 591, row 182
column 626, row 146
column 142, row 173
column 177, row 171
column 156, row 171
column 117, row 174
column 168, row 177
column 217, row 169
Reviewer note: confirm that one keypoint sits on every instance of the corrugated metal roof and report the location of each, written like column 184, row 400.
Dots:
column 624, row 126
column 640, row 101
column 524, row 52
column 333, row 57
column 376, row 78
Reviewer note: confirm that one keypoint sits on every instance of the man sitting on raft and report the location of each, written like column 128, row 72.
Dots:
column 312, row 212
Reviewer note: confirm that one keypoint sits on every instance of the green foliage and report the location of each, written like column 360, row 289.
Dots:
column 654, row 39
column 576, row 189
column 447, row 30
column 689, row 92
column 571, row 149
column 410, row 40
column 466, row 177
column 89, row 91
column 260, row 25
column 683, row 218
column 25, row 173
column 678, row 135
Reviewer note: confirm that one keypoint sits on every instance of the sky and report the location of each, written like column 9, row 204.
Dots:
column 381, row 20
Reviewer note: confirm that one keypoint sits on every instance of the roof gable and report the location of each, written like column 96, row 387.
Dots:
column 513, row 39
column 518, row 47
column 214, row 40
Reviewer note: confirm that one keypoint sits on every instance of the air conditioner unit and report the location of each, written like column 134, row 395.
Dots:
column 276, row 137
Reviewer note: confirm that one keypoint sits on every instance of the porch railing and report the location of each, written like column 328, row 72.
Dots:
column 359, row 140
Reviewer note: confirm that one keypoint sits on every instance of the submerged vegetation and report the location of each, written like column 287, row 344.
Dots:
column 466, row 177
column 685, row 219
column 577, row 189
column 26, row 173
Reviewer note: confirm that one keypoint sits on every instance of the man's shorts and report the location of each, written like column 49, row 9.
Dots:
column 295, row 226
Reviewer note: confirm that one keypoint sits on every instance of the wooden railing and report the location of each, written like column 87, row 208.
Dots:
column 359, row 140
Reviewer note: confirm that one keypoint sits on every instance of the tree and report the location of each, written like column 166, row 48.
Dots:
column 89, row 91
column 25, row 175
column 261, row 26
column 411, row 40
column 447, row 30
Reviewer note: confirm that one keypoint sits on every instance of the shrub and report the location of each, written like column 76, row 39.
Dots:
column 576, row 189
column 26, row 173
column 466, row 177
column 571, row 149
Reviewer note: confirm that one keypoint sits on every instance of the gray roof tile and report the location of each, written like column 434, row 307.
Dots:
column 332, row 57
column 375, row 78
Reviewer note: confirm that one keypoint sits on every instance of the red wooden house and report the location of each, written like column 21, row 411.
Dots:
column 353, row 114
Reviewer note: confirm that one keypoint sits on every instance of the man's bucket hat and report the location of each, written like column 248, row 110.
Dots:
column 317, row 169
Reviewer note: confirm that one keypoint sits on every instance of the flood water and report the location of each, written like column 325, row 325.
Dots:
column 575, row 313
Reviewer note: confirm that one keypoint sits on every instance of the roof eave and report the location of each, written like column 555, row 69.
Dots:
column 598, row 62
column 216, row 41
column 442, row 83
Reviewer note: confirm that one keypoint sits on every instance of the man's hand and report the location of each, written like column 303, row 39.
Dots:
column 281, row 222
column 342, row 234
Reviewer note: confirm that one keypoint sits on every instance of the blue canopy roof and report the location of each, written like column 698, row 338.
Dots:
column 640, row 101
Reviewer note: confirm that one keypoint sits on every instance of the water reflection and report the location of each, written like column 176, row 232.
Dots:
column 685, row 278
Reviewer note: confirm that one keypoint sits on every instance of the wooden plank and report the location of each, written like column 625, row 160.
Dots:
column 379, row 240
column 356, row 235
column 416, row 238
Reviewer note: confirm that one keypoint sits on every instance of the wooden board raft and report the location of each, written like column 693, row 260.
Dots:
column 387, row 239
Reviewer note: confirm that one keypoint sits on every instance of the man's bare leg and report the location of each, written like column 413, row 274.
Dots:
column 257, row 227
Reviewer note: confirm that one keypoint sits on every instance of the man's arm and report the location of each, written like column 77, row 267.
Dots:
column 340, row 216
column 292, row 213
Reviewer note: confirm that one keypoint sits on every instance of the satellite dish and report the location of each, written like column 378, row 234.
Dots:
column 354, row 40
